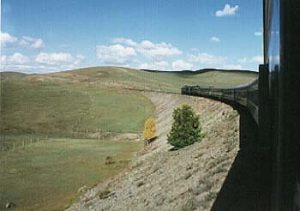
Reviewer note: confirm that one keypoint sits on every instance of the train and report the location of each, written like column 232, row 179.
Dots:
column 281, row 100
column 244, row 95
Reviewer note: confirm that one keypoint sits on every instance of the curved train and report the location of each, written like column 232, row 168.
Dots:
column 244, row 95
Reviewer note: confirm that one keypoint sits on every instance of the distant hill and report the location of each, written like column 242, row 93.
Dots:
column 170, row 81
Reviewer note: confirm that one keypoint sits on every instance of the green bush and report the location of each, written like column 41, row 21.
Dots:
column 186, row 128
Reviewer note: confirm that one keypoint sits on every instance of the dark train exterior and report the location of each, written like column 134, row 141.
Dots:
column 281, row 103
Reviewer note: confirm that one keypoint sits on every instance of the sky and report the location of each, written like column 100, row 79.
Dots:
column 40, row 36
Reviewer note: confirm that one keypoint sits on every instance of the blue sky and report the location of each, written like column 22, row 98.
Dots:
column 46, row 36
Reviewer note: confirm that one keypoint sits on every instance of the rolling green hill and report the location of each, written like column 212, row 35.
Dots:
column 54, row 108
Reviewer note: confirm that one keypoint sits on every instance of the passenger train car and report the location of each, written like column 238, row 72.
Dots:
column 281, row 99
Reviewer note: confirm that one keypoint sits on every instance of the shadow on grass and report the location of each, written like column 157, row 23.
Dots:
column 174, row 149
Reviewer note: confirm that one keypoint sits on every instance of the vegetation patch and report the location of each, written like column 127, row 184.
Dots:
column 149, row 131
column 186, row 128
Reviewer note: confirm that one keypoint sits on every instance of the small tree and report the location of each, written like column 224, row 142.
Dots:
column 186, row 128
column 149, row 130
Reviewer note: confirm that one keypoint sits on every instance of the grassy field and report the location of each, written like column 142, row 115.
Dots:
column 56, row 129
column 47, row 175
column 54, row 109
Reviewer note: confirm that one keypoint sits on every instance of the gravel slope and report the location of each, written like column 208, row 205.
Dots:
column 187, row 179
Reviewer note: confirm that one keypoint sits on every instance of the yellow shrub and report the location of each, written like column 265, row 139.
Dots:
column 149, row 129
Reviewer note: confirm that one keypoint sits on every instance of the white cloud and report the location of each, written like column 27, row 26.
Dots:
column 115, row 54
column 6, row 38
column 165, row 65
column 181, row 65
column 227, row 11
column 125, row 41
column 3, row 59
column 255, row 59
column 258, row 59
column 125, row 51
column 215, row 39
column 29, row 68
column 233, row 66
column 243, row 60
column 43, row 62
column 61, row 59
column 53, row 58
column 159, row 65
column 14, row 62
column 79, row 59
column 39, row 43
column 206, row 59
column 31, row 42
column 258, row 34
column 143, row 54
column 18, row 58
column 25, row 41
column 157, row 51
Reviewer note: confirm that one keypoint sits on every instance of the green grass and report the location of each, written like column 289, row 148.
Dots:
column 47, row 175
column 58, row 110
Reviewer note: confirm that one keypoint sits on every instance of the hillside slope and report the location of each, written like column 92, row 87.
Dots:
column 186, row 179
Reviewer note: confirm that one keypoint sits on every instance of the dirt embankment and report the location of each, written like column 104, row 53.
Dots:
column 187, row 179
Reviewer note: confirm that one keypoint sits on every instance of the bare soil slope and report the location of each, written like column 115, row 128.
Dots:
column 187, row 179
